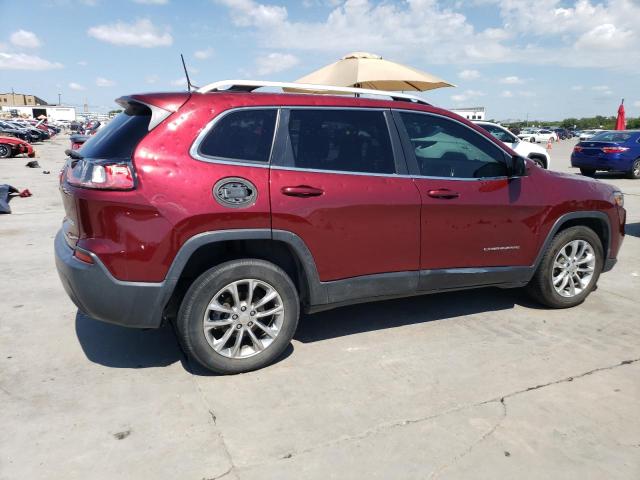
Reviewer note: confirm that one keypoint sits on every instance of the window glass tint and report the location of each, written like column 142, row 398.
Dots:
column 241, row 135
column 611, row 137
column 445, row 148
column 119, row 138
column 342, row 140
column 499, row 133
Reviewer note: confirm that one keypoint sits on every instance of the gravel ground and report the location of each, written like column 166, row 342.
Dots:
column 477, row 384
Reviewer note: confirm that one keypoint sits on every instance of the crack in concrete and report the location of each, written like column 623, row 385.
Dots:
column 491, row 431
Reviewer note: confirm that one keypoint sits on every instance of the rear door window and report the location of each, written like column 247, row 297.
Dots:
column 445, row 148
column 241, row 135
column 340, row 140
column 119, row 138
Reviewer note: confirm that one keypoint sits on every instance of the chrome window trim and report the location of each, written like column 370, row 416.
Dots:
column 194, row 150
column 468, row 128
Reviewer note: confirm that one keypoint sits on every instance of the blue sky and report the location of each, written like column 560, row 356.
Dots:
column 550, row 59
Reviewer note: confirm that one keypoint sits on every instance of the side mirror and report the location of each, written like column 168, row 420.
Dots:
column 518, row 166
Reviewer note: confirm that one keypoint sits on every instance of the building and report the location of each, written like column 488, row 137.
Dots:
column 472, row 113
column 20, row 99
column 52, row 112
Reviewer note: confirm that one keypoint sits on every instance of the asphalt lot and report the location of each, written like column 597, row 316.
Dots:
column 477, row 384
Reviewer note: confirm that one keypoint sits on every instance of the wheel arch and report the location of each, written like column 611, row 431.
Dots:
column 596, row 221
column 205, row 250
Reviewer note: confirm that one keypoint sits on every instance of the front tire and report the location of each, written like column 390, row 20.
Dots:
column 634, row 173
column 238, row 316
column 569, row 269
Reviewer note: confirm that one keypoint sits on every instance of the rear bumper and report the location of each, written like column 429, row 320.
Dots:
column 601, row 162
column 101, row 296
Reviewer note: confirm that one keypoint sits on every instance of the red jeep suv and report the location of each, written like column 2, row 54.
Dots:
column 227, row 210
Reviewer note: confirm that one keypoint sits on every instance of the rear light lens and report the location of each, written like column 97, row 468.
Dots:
column 614, row 149
column 577, row 149
column 101, row 176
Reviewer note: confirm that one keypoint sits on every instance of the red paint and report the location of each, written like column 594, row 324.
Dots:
column 353, row 224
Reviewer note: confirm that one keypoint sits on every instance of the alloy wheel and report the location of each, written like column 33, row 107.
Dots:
column 573, row 268
column 243, row 318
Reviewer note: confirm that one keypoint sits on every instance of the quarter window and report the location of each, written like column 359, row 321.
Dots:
column 444, row 148
column 340, row 140
column 244, row 135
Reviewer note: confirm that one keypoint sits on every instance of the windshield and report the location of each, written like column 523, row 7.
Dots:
column 611, row 137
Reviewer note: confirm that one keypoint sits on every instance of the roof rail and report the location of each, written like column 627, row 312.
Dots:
column 251, row 85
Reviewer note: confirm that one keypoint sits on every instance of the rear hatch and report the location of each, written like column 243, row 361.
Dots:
column 102, row 169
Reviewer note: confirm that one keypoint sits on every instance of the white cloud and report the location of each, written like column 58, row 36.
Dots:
column 179, row 82
column 246, row 13
column 512, row 80
column 83, row 63
column 469, row 74
column 203, row 54
column 605, row 37
column 151, row 79
column 600, row 88
column 24, row 39
column 275, row 62
column 423, row 29
column 76, row 86
column 22, row 61
column 636, row 103
column 141, row 33
column 104, row 82
column 507, row 94
column 467, row 95
column 152, row 2
column 577, row 88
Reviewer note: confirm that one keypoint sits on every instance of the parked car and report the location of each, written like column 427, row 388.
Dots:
column 21, row 133
column 616, row 150
column 78, row 140
column 36, row 133
column 261, row 205
column 12, row 146
column 526, row 149
column 528, row 135
column 587, row 134
column 562, row 133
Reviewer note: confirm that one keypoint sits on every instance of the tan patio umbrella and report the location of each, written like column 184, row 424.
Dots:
column 366, row 70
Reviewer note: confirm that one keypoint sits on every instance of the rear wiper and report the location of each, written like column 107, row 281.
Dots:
column 73, row 154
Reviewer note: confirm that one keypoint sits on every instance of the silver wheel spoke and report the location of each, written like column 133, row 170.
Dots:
column 215, row 306
column 270, row 295
column 560, row 277
column 236, row 345
column 265, row 329
column 233, row 288
column 252, row 286
column 219, row 344
column 267, row 313
column 257, row 343
column 217, row 323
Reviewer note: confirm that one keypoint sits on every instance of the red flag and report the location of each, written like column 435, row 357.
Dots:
column 620, row 123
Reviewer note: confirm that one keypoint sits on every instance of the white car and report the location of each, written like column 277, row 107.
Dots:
column 524, row 148
column 535, row 135
column 587, row 134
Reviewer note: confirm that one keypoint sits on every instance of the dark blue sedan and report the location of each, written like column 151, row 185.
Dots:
column 612, row 151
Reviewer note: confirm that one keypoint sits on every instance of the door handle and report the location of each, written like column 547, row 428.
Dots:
column 443, row 193
column 303, row 191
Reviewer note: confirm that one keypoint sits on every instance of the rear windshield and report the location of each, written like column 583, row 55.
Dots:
column 611, row 137
column 119, row 137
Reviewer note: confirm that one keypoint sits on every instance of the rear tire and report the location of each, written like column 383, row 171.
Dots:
column 588, row 172
column 5, row 151
column 547, row 287
column 634, row 173
column 210, row 335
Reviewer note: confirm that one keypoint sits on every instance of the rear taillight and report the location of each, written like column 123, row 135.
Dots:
column 577, row 149
column 83, row 257
column 614, row 149
column 103, row 176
